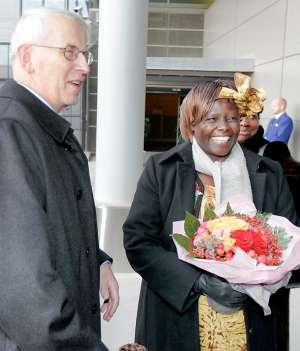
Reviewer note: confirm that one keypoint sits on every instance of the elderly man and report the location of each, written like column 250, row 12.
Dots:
column 49, row 255
column 280, row 126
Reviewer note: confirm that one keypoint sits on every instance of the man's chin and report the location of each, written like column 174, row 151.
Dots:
column 66, row 105
column 71, row 102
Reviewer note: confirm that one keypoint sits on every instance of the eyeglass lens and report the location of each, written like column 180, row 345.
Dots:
column 71, row 54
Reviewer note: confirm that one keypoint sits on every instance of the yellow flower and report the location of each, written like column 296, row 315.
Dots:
column 227, row 222
column 229, row 242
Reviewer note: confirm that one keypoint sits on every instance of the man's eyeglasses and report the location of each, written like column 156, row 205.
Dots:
column 71, row 52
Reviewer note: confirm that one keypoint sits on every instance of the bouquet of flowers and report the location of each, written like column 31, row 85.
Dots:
column 218, row 237
column 253, row 251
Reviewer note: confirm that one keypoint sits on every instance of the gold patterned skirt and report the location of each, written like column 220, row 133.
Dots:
column 219, row 331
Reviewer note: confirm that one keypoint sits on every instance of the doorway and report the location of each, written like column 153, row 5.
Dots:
column 161, row 119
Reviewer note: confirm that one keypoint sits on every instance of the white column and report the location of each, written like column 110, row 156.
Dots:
column 121, row 100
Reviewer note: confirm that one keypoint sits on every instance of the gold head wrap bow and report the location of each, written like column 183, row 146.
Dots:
column 248, row 100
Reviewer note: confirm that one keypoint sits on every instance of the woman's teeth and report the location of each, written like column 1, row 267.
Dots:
column 220, row 140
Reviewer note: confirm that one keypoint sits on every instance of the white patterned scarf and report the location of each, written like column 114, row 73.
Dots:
column 230, row 176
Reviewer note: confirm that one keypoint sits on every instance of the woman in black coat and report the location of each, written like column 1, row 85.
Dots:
column 252, row 134
column 168, row 313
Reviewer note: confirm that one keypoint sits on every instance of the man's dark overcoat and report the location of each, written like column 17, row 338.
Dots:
column 167, row 317
column 49, row 254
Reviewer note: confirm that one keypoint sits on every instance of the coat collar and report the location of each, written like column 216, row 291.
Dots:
column 50, row 121
column 183, row 152
column 186, row 176
column 186, row 185
column 258, row 177
column 256, row 166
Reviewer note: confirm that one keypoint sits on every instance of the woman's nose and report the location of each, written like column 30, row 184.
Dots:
column 244, row 122
column 222, row 124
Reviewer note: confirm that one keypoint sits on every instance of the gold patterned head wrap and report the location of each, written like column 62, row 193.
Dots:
column 248, row 100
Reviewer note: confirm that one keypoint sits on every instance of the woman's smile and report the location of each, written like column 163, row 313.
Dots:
column 220, row 139
column 217, row 133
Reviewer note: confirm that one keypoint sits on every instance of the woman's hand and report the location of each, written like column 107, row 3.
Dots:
column 219, row 290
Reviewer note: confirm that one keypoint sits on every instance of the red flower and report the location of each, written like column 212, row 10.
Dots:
column 243, row 239
column 260, row 242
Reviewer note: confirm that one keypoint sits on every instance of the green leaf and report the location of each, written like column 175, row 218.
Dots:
column 191, row 224
column 264, row 216
column 182, row 240
column 282, row 237
column 229, row 211
column 209, row 214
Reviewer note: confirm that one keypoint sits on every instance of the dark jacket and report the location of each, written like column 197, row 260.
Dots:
column 279, row 151
column 167, row 317
column 257, row 142
column 49, row 254
column 291, row 169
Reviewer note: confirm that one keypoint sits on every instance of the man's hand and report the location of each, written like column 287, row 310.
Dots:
column 109, row 290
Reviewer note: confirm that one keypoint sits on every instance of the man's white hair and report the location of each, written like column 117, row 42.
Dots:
column 34, row 28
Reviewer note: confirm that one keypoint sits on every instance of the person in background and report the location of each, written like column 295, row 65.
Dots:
column 173, row 312
column 279, row 151
column 280, row 126
column 49, row 254
column 252, row 134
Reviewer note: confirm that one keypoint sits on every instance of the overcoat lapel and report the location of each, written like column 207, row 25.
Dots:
column 183, row 197
column 186, row 186
column 258, row 183
column 258, row 180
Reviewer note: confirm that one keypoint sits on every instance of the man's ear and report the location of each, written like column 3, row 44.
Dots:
column 25, row 57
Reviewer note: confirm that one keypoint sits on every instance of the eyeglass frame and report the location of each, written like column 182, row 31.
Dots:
column 89, row 58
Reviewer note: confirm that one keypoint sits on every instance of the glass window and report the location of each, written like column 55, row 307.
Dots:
column 181, row 20
column 204, row 2
column 30, row 4
column 55, row 4
column 82, row 5
column 157, row 51
column 157, row 20
column 4, row 61
column 185, row 52
column 185, row 38
column 157, row 37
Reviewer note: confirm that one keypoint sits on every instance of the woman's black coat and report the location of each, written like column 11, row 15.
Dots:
column 167, row 317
